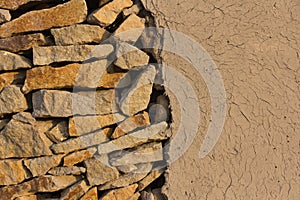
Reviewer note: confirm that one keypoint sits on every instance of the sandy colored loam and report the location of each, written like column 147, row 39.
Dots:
column 256, row 49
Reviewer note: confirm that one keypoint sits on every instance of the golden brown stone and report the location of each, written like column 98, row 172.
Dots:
column 8, row 78
column 130, row 124
column 108, row 13
column 131, row 29
column 79, row 156
column 23, row 42
column 80, row 125
column 4, row 16
column 120, row 194
column 14, row 4
column 92, row 194
column 152, row 176
column 12, row 172
column 75, row 191
column 69, row 13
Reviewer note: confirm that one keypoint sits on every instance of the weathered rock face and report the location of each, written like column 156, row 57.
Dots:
column 40, row 166
column 11, row 61
column 23, row 42
column 14, row 4
column 40, row 184
column 137, row 97
column 73, row 53
column 82, row 142
column 69, row 76
column 129, row 57
column 122, row 193
column 72, row 170
column 75, row 191
column 54, row 103
column 98, row 172
column 80, row 125
column 131, row 29
column 150, row 178
column 12, row 172
column 91, row 194
column 79, row 156
column 8, row 78
column 79, row 34
column 17, row 132
column 69, row 13
column 58, row 133
column 130, row 124
column 12, row 100
column 4, row 16
column 153, row 132
column 108, row 13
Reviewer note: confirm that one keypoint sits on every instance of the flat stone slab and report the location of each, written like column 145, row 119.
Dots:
column 79, row 34
column 11, row 61
column 12, row 172
column 23, row 42
column 15, row 4
column 69, row 13
column 73, row 53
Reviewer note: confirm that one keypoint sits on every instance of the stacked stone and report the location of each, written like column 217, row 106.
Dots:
column 74, row 106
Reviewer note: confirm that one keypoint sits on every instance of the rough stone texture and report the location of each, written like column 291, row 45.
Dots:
column 59, row 132
column 29, row 197
column 150, row 178
column 128, row 179
column 135, row 9
column 136, row 196
column 24, row 117
column 72, row 53
column 157, row 194
column 131, row 29
column 8, row 78
column 81, row 142
column 75, row 191
column 3, row 123
column 12, row 100
column 54, row 103
column 150, row 152
column 79, row 156
column 11, row 61
column 129, row 57
column 80, row 125
column 146, row 195
column 4, row 16
column 160, row 110
column 15, row 4
column 72, row 170
column 120, row 194
column 126, row 168
column 136, row 98
column 92, row 194
column 79, row 34
column 130, row 124
column 33, row 142
column 257, row 111
column 69, row 76
column 12, row 172
column 40, row 184
column 107, row 14
column 23, row 42
column 69, row 13
column 153, row 132
column 40, row 166
column 98, row 172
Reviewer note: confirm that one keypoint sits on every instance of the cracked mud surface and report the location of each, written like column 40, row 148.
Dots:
column 256, row 48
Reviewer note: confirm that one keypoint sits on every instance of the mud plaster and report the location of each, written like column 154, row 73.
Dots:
column 256, row 48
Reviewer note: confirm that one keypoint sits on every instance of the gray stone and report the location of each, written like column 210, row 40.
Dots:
column 98, row 172
column 72, row 170
column 150, row 152
column 59, row 132
column 82, row 142
column 11, row 61
column 136, row 98
column 152, row 133
column 129, row 57
column 4, row 16
column 24, row 117
column 73, row 53
column 40, row 166
column 79, row 34
column 55, row 103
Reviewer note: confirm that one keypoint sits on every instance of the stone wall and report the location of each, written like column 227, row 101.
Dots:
column 82, row 113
